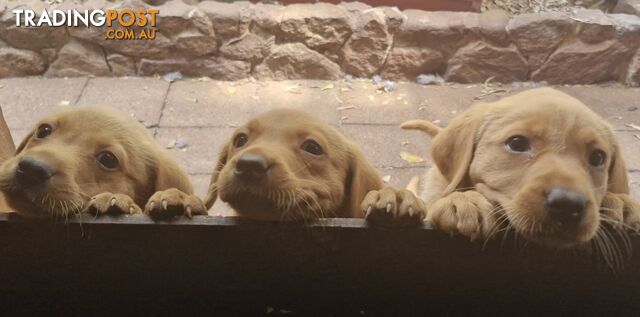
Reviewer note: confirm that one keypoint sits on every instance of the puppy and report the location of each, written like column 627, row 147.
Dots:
column 539, row 162
column 95, row 159
column 288, row 165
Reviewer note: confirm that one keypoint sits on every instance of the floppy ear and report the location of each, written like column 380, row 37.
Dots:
column 24, row 141
column 453, row 147
column 617, row 180
column 212, row 194
column 170, row 175
column 7, row 148
column 361, row 179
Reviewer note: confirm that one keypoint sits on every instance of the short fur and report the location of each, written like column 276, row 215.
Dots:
column 298, row 185
column 476, row 185
column 80, row 183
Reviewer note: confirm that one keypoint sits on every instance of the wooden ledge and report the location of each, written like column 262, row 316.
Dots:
column 225, row 266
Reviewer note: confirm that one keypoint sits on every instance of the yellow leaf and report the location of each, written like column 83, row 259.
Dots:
column 386, row 178
column 231, row 91
column 327, row 87
column 411, row 158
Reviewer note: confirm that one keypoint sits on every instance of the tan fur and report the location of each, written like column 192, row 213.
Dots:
column 476, row 184
column 7, row 148
column 298, row 185
column 79, row 182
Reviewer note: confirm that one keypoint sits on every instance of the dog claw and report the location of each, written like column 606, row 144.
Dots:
column 389, row 208
column 368, row 211
column 113, row 201
column 165, row 205
column 410, row 211
column 188, row 212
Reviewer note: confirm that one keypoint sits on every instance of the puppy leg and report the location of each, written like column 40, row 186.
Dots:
column 393, row 206
column 467, row 213
column 173, row 202
column 621, row 209
column 112, row 203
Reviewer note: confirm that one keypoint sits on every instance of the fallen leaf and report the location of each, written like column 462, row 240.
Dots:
column 386, row 178
column 204, row 78
column 327, row 87
column 292, row 89
column 194, row 100
column 411, row 158
column 231, row 91
column 255, row 97
column 64, row 103
column 344, row 89
column 633, row 126
column 371, row 98
column 346, row 107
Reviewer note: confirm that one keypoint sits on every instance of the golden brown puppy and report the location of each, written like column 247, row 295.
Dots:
column 96, row 159
column 539, row 162
column 287, row 165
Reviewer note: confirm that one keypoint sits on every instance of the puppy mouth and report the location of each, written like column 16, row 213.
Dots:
column 42, row 200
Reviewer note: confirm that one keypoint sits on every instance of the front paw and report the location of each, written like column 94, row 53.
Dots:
column 621, row 210
column 467, row 213
column 393, row 207
column 173, row 202
column 112, row 203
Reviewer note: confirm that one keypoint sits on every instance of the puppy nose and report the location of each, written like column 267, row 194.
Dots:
column 251, row 166
column 32, row 171
column 565, row 206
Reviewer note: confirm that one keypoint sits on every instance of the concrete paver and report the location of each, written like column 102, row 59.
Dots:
column 382, row 144
column 142, row 97
column 25, row 100
column 203, row 147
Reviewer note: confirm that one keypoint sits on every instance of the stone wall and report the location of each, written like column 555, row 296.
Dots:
column 231, row 41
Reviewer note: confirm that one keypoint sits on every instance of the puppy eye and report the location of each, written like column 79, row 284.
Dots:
column 518, row 143
column 240, row 140
column 597, row 158
column 44, row 130
column 311, row 146
column 108, row 160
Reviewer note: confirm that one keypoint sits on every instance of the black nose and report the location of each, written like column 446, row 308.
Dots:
column 565, row 206
column 251, row 167
column 32, row 171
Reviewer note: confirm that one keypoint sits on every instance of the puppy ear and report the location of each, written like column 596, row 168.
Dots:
column 453, row 147
column 361, row 179
column 24, row 141
column 617, row 180
column 170, row 175
column 212, row 194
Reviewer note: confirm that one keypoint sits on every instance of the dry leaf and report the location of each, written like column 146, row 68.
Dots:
column 292, row 89
column 346, row 107
column 64, row 103
column 633, row 126
column 231, row 91
column 411, row 158
column 371, row 98
column 194, row 100
column 327, row 87
column 386, row 178
column 204, row 78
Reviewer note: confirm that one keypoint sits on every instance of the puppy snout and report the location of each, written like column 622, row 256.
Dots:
column 32, row 171
column 566, row 206
column 251, row 166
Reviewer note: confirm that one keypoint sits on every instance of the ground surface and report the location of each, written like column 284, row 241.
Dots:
column 204, row 113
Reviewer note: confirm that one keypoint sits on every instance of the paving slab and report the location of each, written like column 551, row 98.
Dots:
column 634, row 182
column 203, row 146
column 382, row 144
column 364, row 103
column 25, row 100
column 141, row 97
column 630, row 145
column 612, row 103
column 224, row 104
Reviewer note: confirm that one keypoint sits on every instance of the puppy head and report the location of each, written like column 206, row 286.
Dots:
column 287, row 165
column 75, row 154
column 543, row 156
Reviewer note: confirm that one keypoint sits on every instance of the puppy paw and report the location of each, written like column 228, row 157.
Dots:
column 621, row 210
column 467, row 213
column 112, row 203
column 393, row 207
column 173, row 202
